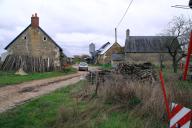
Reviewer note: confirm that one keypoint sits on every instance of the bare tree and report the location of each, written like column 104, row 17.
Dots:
column 179, row 28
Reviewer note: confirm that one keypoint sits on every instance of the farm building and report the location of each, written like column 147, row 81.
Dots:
column 140, row 49
column 105, row 56
column 117, row 58
column 33, row 50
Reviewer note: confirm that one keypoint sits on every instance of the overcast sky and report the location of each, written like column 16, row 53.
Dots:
column 74, row 24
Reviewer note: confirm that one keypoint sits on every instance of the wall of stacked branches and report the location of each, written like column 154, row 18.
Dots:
column 28, row 64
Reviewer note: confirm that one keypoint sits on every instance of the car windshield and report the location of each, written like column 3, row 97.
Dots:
column 83, row 64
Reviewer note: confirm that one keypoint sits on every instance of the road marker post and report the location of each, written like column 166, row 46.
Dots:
column 180, row 116
column 164, row 95
column 188, row 58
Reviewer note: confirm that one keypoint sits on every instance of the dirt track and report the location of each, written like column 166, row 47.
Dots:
column 11, row 96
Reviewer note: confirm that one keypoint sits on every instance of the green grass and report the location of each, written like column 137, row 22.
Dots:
column 125, row 120
column 60, row 109
column 121, row 120
column 9, row 78
column 105, row 66
column 102, row 66
column 39, row 113
column 169, row 75
column 184, row 87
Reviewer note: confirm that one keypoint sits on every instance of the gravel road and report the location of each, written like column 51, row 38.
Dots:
column 13, row 95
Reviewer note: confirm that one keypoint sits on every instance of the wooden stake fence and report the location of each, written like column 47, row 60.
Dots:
column 29, row 64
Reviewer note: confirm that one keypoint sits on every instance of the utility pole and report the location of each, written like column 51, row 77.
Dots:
column 115, row 35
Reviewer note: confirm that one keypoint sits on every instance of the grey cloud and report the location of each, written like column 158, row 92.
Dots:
column 85, row 21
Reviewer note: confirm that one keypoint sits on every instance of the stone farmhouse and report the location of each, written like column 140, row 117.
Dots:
column 140, row 49
column 34, row 50
column 105, row 56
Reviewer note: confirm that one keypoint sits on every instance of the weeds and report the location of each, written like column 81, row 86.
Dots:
column 120, row 102
column 120, row 99
column 143, row 99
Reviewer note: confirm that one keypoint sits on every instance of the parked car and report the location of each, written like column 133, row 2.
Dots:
column 83, row 66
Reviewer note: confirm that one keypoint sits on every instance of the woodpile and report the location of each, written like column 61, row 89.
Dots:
column 28, row 64
column 137, row 71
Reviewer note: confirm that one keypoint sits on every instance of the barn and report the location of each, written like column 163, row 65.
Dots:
column 105, row 56
column 33, row 50
column 141, row 49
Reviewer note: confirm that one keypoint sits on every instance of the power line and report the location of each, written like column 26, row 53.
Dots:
column 124, row 13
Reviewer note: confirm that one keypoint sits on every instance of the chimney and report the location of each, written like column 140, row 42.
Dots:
column 127, row 33
column 115, row 35
column 35, row 21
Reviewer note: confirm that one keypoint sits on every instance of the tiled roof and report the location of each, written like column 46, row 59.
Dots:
column 150, row 44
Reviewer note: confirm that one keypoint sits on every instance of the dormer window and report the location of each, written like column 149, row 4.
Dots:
column 24, row 37
column 44, row 38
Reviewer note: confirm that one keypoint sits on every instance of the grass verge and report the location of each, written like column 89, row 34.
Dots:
column 105, row 66
column 66, row 108
column 9, row 78
column 39, row 113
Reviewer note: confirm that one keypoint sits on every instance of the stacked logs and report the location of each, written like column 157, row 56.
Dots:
column 95, row 77
column 137, row 71
column 27, row 63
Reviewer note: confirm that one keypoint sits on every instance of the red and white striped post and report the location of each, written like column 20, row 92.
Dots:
column 180, row 116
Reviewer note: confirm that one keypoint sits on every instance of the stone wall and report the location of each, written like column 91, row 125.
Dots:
column 115, row 63
column 154, row 58
column 33, row 42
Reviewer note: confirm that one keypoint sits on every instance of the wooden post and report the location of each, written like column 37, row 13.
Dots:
column 97, row 83
column 188, row 58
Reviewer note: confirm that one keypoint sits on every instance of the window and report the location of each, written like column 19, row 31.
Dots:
column 24, row 37
column 44, row 38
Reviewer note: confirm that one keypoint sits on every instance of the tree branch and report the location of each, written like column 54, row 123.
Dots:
column 183, row 55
